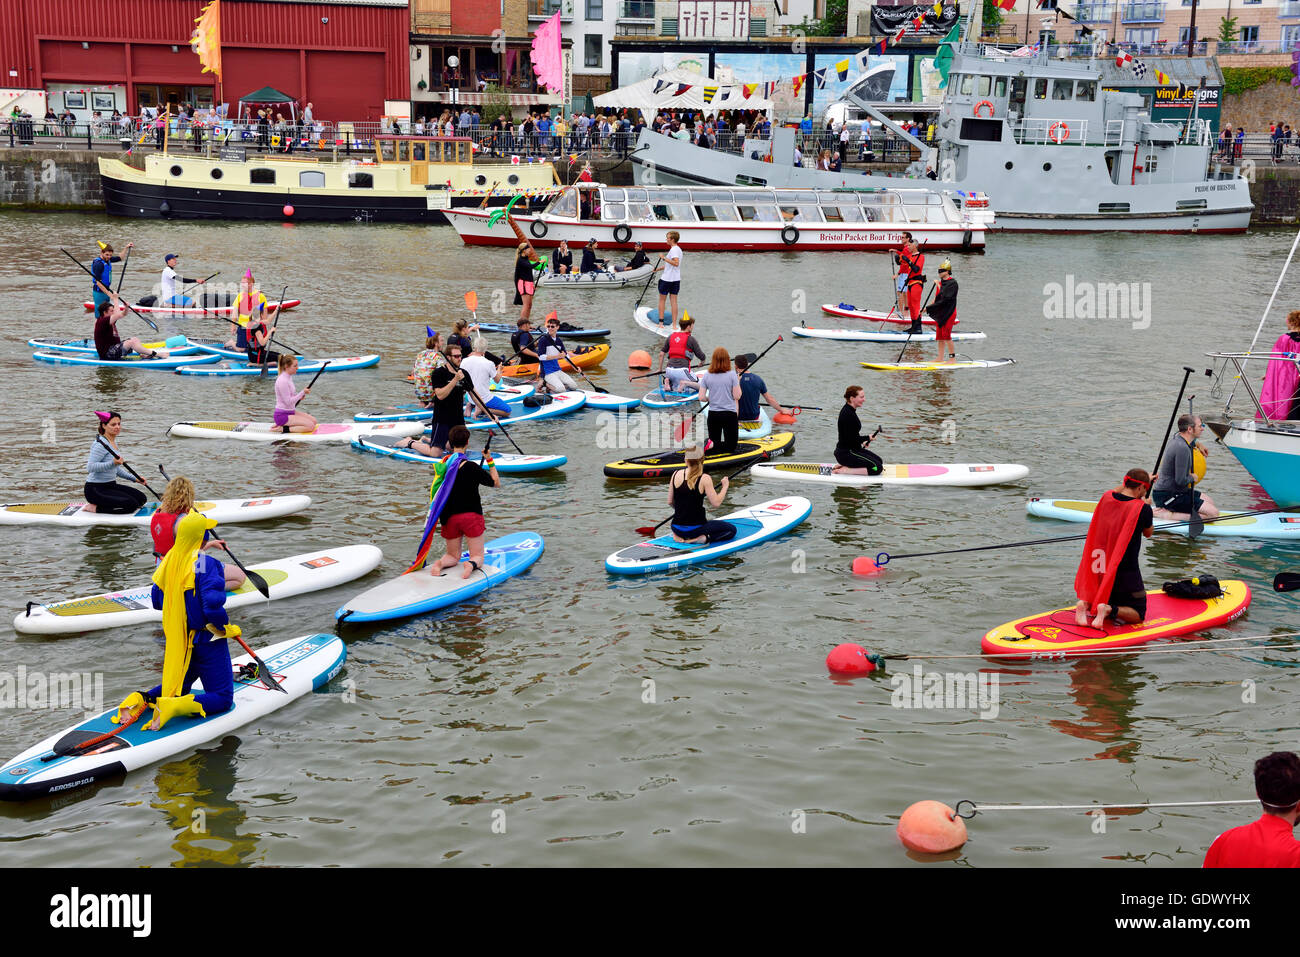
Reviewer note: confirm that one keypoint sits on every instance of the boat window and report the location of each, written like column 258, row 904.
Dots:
column 1151, row 162
column 832, row 214
column 1085, row 90
column 755, row 197
column 711, row 195
column 967, row 84
column 848, row 214
column 566, row 204
column 613, row 211
column 1191, row 204
column 260, row 174
column 361, row 181
column 986, row 83
column 681, row 212
column 830, row 199
column 639, row 212
column 758, row 214
column 404, row 151
column 463, row 152
column 802, row 197
column 717, row 213
column 660, row 211
column 673, row 195
column 418, row 152
column 800, row 214
column 387, row 151
column 1061, row 89
column 1040, row 89
column 743, row 180
column 312, row 178
column 1112, row 207
column 1000, row 87
column 880, row 199
column 613, row 194
column 637, row 196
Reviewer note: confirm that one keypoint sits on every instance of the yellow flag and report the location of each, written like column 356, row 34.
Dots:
column 206, row 38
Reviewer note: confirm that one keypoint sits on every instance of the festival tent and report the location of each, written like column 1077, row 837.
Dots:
column 660, row 92
column 267, row 96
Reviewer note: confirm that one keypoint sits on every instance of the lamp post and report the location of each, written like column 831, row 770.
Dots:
column 1191, row 31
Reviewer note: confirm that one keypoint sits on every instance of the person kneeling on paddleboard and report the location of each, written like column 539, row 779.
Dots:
column 177, row 502
column 258, row 335
column 687, row 490
column 287, row 417
column 851, row 450
column 944, row 312
column 1107, row 587
column 678, row 348
column 190, row 590
column 454, row 499
column 1174, row 491
column 103, row 466
column 1269, row 842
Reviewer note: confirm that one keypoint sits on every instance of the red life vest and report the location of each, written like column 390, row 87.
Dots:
column 163, row 529
column 677, row 343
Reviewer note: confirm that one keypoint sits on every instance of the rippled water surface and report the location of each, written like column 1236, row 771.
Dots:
column 532, row 700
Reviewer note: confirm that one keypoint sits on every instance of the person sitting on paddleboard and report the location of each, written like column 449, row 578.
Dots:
column 103, row 466
column 589, row 261
column 678, row 349
column 1108, row 588
column 250, row 301
column 524, row 343
column 482, row 372
column 463, row 333
column 101, row 273
column 687, row 490
column 639, row 259
column 1270, row 841
column 944, row 312
column 910, row 263
column 462, row 513
column 287, row 417
column 562, row 259
column 722, row 386
column 177, row 502
column 111, row 347
column 167, row 284
column 525, row 280
column 851, row 450
column 1174, row 491
column 752, row 388
column 551, row 349
column 258, row 336
column 1280, row 397
column 429, row 359
column 670, row 284
column 190, row 590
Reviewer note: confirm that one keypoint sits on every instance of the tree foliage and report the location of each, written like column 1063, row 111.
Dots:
column 1227, row 29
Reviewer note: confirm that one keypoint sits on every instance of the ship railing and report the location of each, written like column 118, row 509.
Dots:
column 1050, row 132
column 1238, row 361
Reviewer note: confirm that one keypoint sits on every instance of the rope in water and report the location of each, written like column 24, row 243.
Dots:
column 1181, row 648
column 976, row 808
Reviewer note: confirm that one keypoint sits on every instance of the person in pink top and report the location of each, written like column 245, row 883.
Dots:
column 287, row 416
column 1280, row 396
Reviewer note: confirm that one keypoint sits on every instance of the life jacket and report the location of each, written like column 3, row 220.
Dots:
column 163, row 529
column 677, row 344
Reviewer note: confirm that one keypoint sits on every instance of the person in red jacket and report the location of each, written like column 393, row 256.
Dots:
column 1269, row 842
column 911, row 263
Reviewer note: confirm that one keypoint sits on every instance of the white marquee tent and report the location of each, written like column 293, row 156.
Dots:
column 642, row 95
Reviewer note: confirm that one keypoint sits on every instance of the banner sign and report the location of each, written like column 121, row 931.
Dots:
column 887, row 21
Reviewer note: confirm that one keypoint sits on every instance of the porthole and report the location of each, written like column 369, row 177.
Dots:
column 1047, row 167
column 175, row 171
column 512, row 179
column 1010, row 164
column 216, row 172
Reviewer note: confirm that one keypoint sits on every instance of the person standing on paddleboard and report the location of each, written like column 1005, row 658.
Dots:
column 168, row 296
column 177, row 502
column 752, row 388
column 429, row 359
column 687, row 490
column 851, row 452
column 550, row 349
column 1270, row 841
column 462, row 512
column 944, row 312
column 101, row 273
column 1107, row 587
column 111, row 347
column 678, row 349
column 722, row 385
column 1280, row 397
column 1174, row 491
column 103, row 466
column 911, row 262
column 670, row 284
column 190, row 590
column 525, row 280
column 287, row 417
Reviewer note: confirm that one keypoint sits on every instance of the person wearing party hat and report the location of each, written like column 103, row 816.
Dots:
column 190, row 590
column 101, row 273
column 249, row 301
column 944, row 312
column 103, row 466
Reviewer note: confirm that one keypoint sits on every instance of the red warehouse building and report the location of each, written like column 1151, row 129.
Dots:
column 345, row 57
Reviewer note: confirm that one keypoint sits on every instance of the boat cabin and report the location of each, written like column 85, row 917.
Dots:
column 419, row 152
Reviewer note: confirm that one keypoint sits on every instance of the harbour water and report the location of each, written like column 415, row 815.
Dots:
column 571, row 718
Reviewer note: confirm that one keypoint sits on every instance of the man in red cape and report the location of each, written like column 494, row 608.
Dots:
column 1109, row 580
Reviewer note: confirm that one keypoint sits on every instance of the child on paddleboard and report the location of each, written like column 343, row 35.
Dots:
column 287, row 416
column 678, row 348
column 177, row 502
column 1108, row 588
column 687, row 490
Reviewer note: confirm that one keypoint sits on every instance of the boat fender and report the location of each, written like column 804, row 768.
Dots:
column 164, row 207
column 622, row 233
column 981, row 104
column 537, row 228
column 790, row 235
column 966, row 240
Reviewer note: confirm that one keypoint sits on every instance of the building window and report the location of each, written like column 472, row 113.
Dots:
column 1290, row 35
column 1185, row 34
column 1144, row 36
column 1250, row 34
column 595, row 10
column 591, row 47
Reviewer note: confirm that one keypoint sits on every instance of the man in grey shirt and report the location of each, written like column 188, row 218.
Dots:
column 1174, row 490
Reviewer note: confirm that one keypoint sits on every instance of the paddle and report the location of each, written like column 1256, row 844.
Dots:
column 801, row 408
column 263, row 672
column 149, row 322
column 316, row 376
column 270, row 333
column 650, row 531
column 1286, row 581
column 126, row 262
column 650, row 375
column 649, row 279
column 688, row 421
column 134, row 473
column 482, row 405
column 577, row 368
column 1195, row 524
column 190, row 285
column 908, row 341
column 98, row 739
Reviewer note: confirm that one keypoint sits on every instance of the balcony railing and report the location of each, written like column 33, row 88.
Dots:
column 1143, row 13
column 542, row 9
column 1289, row 8
column 636, row 10
column 1095, row 12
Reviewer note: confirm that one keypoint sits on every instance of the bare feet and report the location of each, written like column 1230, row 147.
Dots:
column 89, row 508
column 1100, row 621
column 1081, row 614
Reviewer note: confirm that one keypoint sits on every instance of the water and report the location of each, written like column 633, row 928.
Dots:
column 527, row 710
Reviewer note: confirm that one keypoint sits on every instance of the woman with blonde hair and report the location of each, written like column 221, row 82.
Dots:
column 287, row 417
column 525, row 281
column 721, row 385
column 687, row 490
column 177, row 502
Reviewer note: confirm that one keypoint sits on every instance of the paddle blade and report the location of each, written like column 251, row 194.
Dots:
column 260, row 584
column 646, row 530
column 471, row 301
column 264, row 675
column 1286, row 581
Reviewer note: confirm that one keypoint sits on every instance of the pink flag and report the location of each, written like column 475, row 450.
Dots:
column 548, row 61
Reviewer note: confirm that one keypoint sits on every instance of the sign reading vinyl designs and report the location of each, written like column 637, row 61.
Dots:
column 887, row 21
column 1174, row 96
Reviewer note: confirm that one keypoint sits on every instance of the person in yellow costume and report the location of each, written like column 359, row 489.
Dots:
column 249, row 302
column 190, row 589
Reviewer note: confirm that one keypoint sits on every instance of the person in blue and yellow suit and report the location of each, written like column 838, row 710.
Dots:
column 190, row 589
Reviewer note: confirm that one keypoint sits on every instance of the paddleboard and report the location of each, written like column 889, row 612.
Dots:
column 422, row 591
column 597, row 279
column 659, row 399
column 754, row 525
column 579, row 357
column 223, row 510
column 956, row 474
column 609, row 401
column 566, row 331
column 1277, row 525
column 506, row 463
column 186, row 347
column 132, row 362
column 562, row 403
column 231, row 367
column 847, row 311
column 648, row 319
column 413, row 411
column 758, row 429
column 665, row 463
column 936, row 366
column 867, row 335
column 1054, row 634
column 177, row 312
column 300, row 665
column 268, row 432
column 285, row 577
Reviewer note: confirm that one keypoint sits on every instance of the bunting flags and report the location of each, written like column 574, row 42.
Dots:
column 1139, row 68
column 938, row 9
column 1164, row 79
column 863, row 58
column 882, row 44
column 820, row 77
column 1004, row 4
column 842, row 69
column 206, row 38
column 797, row 83
column 659, row 85
column 1124, row 59
column 943, row 57
column 1025, row 51
column 681, row 88
column 709, row 93
column 748, row 89
column 899, row 35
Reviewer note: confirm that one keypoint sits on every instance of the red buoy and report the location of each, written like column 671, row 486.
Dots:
column 931, row 827
column 288, row 210
column 866, row 565
column 849, row 659
column 640, row 359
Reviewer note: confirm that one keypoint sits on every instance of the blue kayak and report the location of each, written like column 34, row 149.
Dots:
column 231, row 367
column 131, row 362
column 506, row 463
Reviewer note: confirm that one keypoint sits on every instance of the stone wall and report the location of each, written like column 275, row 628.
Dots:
column 1259, row 107
column 50, row 179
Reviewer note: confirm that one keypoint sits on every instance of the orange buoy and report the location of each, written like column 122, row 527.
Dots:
column 288, row 210
column 640, row 359
column 850, row 659
column 866, row 565
column 931, row 827
column 786, row 418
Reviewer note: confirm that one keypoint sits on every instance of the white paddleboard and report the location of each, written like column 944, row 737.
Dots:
column 956, row 474
column 936, row 366
column 285, row 577
column 268, row 432
column 224, row 510
column 868, row 335
column 647, row 318
column 760, row 428
column 846, row 311
column 562, row 403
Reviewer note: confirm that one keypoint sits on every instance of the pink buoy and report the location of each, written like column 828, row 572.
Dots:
column 866, row 565
column 288, row 210
column 931, row 827
column 849, row 659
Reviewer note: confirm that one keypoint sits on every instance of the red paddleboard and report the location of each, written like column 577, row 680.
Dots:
column 846, row 311
column 1054, row 634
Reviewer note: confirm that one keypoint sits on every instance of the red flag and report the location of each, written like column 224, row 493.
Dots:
column 1004, row 4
